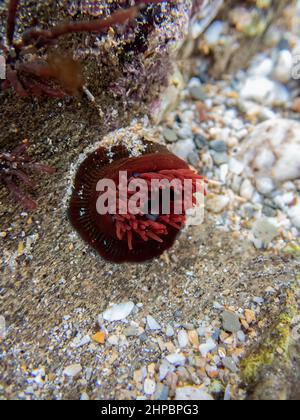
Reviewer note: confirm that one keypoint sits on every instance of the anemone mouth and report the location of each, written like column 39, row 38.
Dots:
column 126, row 236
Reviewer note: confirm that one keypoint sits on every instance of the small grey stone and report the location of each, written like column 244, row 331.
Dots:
column 258, row 300
column 229, row 363
column 269, row 211
column 143, row 337
column 200, row 142
column 248, row 210
column 220, row 158
column 161, row 393
column 193, row 159
column 133, row 331
column 196, row 92
column 170, row 135
column 231, row 322
column 218, row 146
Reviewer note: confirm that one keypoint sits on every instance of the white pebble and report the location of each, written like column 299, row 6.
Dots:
column 294, row 215
column 176, row 359
column 183, row 339
column 217, row 203
column 152, row 324
column 247, row 189
column 207, row 347
column 164, row 369
column 73, row 370
column 118, row 312
column 149, row 386
column 264, row 185
column 2, row 328
column 170, row 331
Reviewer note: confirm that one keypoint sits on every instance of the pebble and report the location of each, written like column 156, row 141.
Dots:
column 183, row 339
column 206, row 348
column 264, row 232
column 264, row 185
column 236, row 166
column 283, row 69
column 193, row 159
column 196, row 92
column 73, row 370
column 241, row 336
column 149, row 386
column 229, row 363
column 183, row 148
column 231, row 322
column 264, row 91
column 170, row 331
column 80, row 341
column 213, row 33
column 84, row 397
column 118, row 312
column 133, row 331
column 99, row 337
column 152, row 324
column 193, row 338
column 176, row 359
column 227, row 394
column 161, row 393
column 220, row 158
column 217, row 203
column 192, row 393
column 170, row 135
column 2, row 328
column 164, row 369
column 201, row 142
column 218, row 146
column 269, row 211
column 280, row 136
column 294, row 215
column 247, row 190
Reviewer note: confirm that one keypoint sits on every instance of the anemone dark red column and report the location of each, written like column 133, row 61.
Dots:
column 127, row 237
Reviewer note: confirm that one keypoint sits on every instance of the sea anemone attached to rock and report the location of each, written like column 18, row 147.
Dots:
column 123, row 235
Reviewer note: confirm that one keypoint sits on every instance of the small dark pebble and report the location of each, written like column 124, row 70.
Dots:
column 200, row 142
column 143, row 337
column 216, row 335
column 269, row 211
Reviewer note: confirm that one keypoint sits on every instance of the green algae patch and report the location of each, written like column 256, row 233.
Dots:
column 292, row 248
column 275, row 348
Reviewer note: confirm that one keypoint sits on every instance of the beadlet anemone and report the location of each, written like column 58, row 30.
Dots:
column 128, row 237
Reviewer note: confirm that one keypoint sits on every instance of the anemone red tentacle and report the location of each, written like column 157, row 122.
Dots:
column 127, row 236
